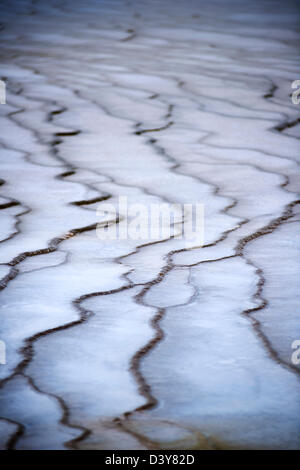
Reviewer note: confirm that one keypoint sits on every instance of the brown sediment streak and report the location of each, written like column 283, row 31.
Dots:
column 270, row 93
column 53, row 244
column 17, row 223
column 223, row 258
column 17, row 217
column 286, row 125
column 9, row 277
column 67, row 173
column 7, row 205
column 65, row 419
column 170, row 110
column 269, row 228
column 55, row 112
column 143, row 387
column 121, row 424
column 288, row 212
column 132, row 35
column 10, row 445
column 67, row 134
column 135, row 362
column 157, row 129
column 85, row 202
column 152, row 97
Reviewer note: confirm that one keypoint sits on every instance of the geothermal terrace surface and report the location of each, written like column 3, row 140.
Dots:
column 136, row 344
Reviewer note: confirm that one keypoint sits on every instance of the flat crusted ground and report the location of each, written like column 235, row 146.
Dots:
column 130, row 345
